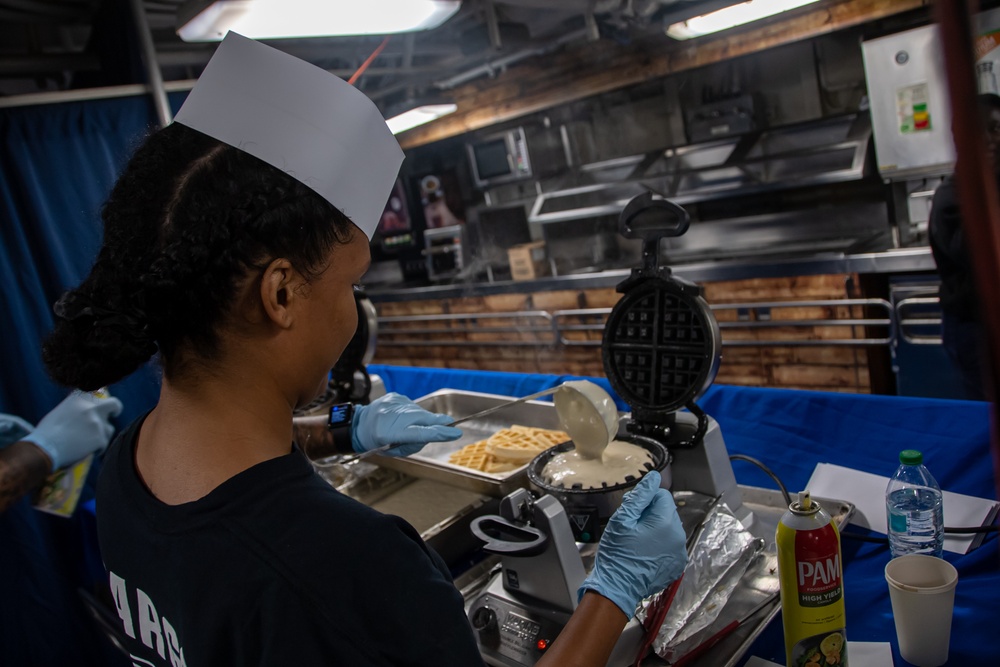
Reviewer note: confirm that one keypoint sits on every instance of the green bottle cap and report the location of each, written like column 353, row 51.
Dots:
column 911, row 457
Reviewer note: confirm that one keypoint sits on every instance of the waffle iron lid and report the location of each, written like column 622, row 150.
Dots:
column 661, row 345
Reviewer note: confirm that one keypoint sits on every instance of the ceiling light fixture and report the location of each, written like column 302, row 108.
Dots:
column 206, row 21
column 730, row 17
column 418, row 116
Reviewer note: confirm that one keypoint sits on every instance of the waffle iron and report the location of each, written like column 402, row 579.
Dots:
column 661, row 347
column 661, row 351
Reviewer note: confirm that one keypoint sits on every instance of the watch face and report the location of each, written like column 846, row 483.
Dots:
column 340, row 414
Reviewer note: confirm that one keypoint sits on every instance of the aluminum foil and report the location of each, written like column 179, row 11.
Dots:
column 716, row 563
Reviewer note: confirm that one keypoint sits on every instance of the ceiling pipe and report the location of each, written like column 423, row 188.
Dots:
column 163, row 112
column 492, row 67
column 47, row 63
column 493, row 25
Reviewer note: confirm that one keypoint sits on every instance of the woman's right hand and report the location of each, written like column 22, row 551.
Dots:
column 643, row 547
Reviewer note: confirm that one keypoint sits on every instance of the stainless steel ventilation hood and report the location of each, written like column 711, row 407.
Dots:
column 803, row 190
column 832, row 150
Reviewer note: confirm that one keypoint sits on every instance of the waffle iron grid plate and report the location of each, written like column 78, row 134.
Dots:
column 661, row 344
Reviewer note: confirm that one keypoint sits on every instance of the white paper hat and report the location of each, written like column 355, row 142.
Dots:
column 301, row 119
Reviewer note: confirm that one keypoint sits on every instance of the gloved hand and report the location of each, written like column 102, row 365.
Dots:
column 76, row 427
column 395, row 419
column 643, row 547
column 13, row 428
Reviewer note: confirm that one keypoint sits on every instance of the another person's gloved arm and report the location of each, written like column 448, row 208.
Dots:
column 23, row 466
column 78, row 426
column 641, row 552
column 395, row 419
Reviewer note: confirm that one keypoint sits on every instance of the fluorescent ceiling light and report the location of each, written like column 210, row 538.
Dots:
column 279, row 19
column 730, row 17
column 425, row 114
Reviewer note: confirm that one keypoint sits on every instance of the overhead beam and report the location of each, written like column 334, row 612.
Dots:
column 592, row 68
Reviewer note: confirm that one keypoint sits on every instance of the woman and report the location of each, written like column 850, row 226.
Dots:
column 222, row 544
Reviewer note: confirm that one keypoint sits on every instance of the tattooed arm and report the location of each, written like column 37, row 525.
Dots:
column 23, row 467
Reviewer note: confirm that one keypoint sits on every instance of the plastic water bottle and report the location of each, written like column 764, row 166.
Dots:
column 913, row 508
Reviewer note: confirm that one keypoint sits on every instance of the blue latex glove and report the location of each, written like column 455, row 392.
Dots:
column 76, row 427
column 395, row 419
column 643, row 547
column 13, row 428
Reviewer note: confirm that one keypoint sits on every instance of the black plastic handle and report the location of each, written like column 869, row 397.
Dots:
column 652, row 219
column 507, row 538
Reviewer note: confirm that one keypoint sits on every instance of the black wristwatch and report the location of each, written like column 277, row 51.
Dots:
column 339, row 424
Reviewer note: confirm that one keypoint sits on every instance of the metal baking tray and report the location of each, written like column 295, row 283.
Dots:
column 432, row 461
column 761, row 580
column 441, row 513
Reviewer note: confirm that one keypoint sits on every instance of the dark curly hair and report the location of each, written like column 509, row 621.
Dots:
column 188, row 220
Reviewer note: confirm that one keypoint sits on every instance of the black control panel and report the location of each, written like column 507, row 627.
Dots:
column 510, row 635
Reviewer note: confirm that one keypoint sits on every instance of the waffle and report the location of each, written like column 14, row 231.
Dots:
column 520, row 444
column 476, row 457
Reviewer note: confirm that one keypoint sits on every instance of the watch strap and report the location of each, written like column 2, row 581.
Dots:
column 340, row 426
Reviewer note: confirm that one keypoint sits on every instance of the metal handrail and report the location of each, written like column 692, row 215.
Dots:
column 548, row 328
column 799, row 304
column 555, row 326
column 886, row 321
column 905, row 324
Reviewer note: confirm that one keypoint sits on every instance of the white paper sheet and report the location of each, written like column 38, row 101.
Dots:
column 862, row 654
column 867, row 493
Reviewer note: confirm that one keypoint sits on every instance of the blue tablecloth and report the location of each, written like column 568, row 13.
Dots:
column 791, row 431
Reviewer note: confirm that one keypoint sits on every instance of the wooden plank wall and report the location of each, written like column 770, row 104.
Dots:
column 830, row 368
column 527, row 344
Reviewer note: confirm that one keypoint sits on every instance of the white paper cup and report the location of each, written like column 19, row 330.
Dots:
column 922, row 592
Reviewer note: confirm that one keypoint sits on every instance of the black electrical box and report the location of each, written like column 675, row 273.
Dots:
column 722, row 118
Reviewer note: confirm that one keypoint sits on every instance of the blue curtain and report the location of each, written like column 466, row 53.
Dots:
column 57, row 165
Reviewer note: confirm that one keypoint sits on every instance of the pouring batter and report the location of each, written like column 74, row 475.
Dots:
column 619, row 461
column 588, row 414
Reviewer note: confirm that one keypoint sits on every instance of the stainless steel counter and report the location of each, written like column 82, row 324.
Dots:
column 902, row 260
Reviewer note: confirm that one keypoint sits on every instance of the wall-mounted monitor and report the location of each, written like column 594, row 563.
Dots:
column 499, row 158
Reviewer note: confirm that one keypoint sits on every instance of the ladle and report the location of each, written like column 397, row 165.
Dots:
column 589, row 416
column 588, row 403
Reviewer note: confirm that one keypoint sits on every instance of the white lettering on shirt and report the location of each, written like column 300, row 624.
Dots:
column 173, row 645
column 155, row 631
column 149, row 623
column 121, row 603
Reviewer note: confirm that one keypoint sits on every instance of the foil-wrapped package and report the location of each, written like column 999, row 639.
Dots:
column 716, row 563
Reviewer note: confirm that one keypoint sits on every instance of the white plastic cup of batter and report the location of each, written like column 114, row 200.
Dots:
column 922, row 592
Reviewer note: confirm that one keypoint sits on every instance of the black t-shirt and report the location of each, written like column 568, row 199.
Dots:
column 958, row 285
column 273, row 567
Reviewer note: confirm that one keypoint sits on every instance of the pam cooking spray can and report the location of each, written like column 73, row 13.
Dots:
column 812, row 586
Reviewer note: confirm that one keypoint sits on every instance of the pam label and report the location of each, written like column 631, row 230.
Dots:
column 819, row 581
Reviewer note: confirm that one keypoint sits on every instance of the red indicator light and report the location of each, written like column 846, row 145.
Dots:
column 542, row 644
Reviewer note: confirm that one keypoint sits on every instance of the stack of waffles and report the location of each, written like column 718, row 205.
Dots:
column 507, row 449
